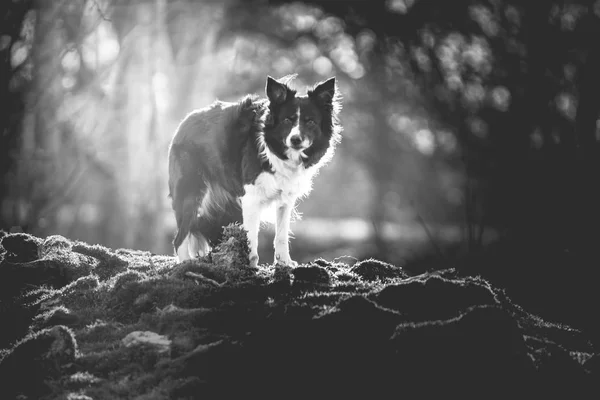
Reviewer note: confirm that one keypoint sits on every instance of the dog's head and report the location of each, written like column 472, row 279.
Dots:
column 302, row 128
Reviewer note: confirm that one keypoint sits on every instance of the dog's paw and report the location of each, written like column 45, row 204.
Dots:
column 283, row 260
column 253, row 260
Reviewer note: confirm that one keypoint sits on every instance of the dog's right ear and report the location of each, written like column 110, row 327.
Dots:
column 276, row 92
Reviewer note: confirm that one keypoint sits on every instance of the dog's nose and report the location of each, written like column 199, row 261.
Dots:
column 296, row 140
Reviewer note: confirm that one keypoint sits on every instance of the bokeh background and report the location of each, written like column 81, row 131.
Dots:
column 466, row 123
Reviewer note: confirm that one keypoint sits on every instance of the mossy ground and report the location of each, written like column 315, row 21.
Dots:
column 324, row 328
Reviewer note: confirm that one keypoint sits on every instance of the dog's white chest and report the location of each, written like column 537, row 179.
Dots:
column 284, row 186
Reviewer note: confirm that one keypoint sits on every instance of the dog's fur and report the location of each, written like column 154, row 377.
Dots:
column 230, row 161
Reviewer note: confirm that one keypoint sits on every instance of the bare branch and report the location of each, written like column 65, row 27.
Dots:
column 100, row 11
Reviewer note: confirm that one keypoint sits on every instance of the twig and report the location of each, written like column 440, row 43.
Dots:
column 202, row 278
column 100, row 11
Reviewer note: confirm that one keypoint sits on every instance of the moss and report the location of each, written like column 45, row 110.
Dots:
column 372, row 269
column 40, row 357
column 187, row 388
column 282, row 275
column 180, row 271
column 251, row 332
column 109, row 263
column 80, row 380
column 172, row 315
column 227, row 262
column 122, row 279
column 81, row 294
column 311, row 275
column 120, row 361
column 321, row 262
column 99, row 334
column 78, row 396
column 232, row 254
column 81, row 285
column 346, row 276
column 17, row 278
column 413, row 297
column 59, row 315
column 128, row 300
column 55, row 243
column 20, row 247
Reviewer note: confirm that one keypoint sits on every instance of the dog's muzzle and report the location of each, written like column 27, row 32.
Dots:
column 296, row 142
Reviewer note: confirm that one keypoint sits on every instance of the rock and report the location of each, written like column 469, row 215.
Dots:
column 160, row 343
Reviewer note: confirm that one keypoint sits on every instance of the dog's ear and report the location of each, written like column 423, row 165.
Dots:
column 325, row 91
column 276, row 92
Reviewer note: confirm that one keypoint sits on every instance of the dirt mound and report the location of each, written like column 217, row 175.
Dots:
column 83, row 321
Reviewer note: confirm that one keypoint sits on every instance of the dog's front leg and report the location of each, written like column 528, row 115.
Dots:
column 282, row 233
column 251, row 210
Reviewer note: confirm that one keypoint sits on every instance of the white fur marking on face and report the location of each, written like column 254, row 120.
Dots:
column 295, row 130
column 293, row 154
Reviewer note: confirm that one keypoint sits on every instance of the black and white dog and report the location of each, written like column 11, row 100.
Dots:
column 230, row 161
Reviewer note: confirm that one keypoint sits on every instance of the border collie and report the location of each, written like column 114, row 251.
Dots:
column 230, row 161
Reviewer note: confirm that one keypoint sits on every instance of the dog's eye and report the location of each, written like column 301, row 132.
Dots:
column 287, row 120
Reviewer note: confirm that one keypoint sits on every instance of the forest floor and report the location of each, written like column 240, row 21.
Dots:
column 82, row 321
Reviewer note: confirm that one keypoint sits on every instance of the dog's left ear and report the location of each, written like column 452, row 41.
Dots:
column 325, row 91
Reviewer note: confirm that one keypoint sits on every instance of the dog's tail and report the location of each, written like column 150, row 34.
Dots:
column 186, row 187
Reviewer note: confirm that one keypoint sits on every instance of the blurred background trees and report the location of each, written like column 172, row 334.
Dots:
column 470, row 127
column 98, row 88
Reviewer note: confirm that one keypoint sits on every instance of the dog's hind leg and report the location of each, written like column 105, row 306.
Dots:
column 182, row 250
column 197, row 244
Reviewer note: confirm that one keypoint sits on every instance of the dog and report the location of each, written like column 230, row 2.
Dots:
column 230, row 161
